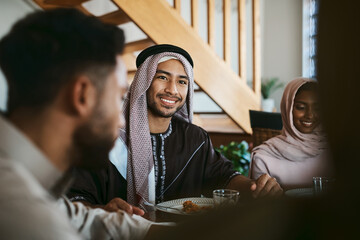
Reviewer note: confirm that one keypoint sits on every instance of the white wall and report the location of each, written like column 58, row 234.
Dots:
column 281, row 46
column 10, row 11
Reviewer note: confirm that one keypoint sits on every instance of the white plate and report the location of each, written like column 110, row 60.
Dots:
column 176, row 206
column 300, row 192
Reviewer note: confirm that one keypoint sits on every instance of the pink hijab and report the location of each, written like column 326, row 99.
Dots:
column 137, row 132
column 292, row 149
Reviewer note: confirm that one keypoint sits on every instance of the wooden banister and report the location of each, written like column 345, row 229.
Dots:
column 177, row 5
column 118, row 17
column 210, row 22
column 256, row 48
column 195, row 14
column 227, row 30
column 213, row 75
column 138, row 45
column 65, row 3
column 242, row 39
column 51, row 4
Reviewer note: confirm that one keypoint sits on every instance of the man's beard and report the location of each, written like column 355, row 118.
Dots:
column 92, row 143
column 157, row 112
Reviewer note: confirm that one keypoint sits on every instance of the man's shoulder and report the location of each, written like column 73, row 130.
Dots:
column 19, row 189
column 17, row 182
column 28, row 210
column 31, row 218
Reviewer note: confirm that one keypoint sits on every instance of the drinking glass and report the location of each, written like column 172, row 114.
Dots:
column 323, row 185
column 225, row 197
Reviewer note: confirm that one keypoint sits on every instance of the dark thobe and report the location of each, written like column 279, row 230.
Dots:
column 185, row 164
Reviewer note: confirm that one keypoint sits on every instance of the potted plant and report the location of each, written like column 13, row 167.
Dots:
column 267, row 88
column 239, row 154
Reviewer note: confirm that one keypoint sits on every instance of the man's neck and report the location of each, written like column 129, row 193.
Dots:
column 158, row 124
column 48, row 132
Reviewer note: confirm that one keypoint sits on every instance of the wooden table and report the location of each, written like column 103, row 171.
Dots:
column 160, row 216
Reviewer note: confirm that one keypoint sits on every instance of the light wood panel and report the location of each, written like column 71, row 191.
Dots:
column 195, row 14
column 211, row 23
column 256, row 48
column 45, row 5
column 227, row 30
column 233, row 96
column 118, row 17
column 177, row 5
column 216, row 123
column 138, row 45
column 51, row 4
column 130, row 61
column 68, row 3
column 214, row 76
column 242, row 39
column 130, row 76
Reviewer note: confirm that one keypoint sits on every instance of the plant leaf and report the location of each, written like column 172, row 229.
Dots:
column 269, row 86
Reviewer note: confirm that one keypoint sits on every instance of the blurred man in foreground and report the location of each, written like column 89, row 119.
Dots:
column 66, row 83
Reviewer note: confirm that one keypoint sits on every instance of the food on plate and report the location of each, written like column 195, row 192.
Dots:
column 190, row 207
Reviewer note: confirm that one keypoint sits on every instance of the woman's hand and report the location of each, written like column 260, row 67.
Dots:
column 265, row 186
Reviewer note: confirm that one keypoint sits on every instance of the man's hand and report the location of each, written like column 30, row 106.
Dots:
column 265, row 186
column 118, row 204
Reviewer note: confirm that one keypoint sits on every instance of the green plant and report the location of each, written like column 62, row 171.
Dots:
column 269, row 86
column 239, row 155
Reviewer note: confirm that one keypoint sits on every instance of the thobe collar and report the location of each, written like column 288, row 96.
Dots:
column 166, row 133
column 16, row 146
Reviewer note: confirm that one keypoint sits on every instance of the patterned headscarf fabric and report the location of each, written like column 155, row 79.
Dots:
column 140, row 158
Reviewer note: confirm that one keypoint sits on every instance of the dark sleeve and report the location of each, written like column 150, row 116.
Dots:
column 88, row 186
column 218, row 169
column 97, row 187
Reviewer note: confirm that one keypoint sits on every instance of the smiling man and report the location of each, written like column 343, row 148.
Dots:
column 168, row 157
column 167, row 93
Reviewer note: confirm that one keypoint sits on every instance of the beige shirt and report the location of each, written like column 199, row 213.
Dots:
column 29, row 211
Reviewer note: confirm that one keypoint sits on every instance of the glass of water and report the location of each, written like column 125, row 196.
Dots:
column 322, row 185
column 223, row 197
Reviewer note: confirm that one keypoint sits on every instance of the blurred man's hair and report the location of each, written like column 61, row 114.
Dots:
column 46, row 50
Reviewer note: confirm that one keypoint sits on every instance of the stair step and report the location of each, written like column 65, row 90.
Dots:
column 67, row 3
column 138, row 45
column 217, row 123
column 118, row 17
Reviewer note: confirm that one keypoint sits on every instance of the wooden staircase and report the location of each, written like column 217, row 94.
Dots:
column 162, row 23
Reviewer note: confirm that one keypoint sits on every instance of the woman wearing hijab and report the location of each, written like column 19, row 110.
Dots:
column 301, row 151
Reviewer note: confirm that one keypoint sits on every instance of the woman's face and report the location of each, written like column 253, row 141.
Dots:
column 306, row 111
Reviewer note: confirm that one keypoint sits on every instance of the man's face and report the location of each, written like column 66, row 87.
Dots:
column 97, row 136
column 168, row 90
column 306, row 111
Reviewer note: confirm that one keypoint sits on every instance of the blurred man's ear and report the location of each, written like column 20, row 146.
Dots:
column 83, row 96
